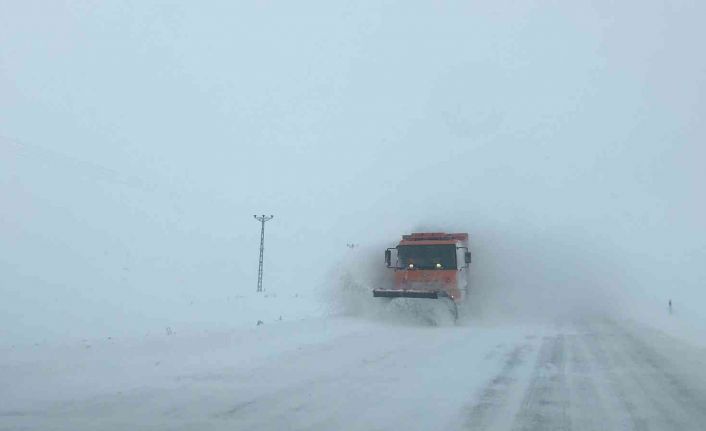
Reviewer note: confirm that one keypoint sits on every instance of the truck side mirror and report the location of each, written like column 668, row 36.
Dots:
column 388, row 257
column 468, row 257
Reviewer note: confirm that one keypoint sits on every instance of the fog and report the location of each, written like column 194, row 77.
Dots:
column 137, row 140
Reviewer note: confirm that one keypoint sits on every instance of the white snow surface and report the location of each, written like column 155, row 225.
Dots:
column 353, row 373
column 325, row 373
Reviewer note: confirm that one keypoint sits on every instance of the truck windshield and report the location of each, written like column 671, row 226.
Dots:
column 427, row 256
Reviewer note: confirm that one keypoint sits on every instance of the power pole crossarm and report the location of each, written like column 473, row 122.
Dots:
column 262, row 219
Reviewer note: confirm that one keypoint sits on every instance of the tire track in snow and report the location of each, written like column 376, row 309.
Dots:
column 496, row 398
column 598, row 375
column 592, row 407
column 546, row 402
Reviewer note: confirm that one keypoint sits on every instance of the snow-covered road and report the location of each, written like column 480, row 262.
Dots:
column 326, row 374
column 597, row 376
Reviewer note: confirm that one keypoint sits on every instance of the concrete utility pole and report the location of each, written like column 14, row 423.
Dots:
column 262, row 219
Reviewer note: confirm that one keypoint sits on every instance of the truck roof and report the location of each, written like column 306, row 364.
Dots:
column 433, row 238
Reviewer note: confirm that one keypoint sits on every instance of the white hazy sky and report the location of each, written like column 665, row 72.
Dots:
column 138, row 138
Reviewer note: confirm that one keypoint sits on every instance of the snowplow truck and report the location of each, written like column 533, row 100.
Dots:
column 429, row 265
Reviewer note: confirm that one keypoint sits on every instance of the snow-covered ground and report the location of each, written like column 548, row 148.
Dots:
column 326, row 373
column 360, row 374
column 686, row 322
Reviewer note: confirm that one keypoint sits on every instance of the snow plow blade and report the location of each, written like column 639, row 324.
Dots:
column 396, row 293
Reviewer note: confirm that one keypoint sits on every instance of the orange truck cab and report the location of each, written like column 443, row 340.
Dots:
column 429, row 265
